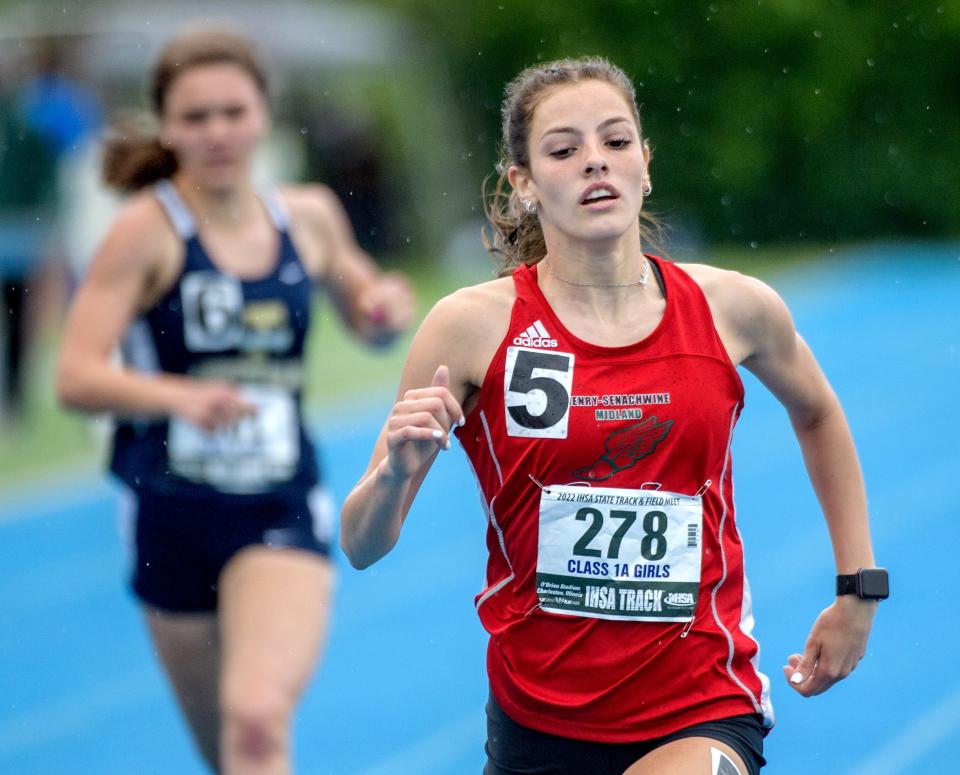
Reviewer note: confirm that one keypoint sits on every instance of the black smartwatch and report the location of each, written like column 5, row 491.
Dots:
column 866, row 583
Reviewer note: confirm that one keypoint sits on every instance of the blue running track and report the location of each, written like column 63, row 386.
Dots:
column 402, row 687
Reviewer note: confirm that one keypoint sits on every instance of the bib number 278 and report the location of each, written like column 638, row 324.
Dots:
column 537, row 387
column 652, row 548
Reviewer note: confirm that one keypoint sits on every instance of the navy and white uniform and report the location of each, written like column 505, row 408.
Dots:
column 198, row 497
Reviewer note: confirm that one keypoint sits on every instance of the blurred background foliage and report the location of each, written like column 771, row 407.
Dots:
column 773, row 120
column 782, row 130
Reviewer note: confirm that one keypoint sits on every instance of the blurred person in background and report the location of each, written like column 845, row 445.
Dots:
column 62, row 109
column 27, row 190
column 32, row 122
column 596, row 406
column 207, row 284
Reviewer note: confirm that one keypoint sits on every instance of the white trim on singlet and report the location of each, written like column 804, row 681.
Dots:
column 483, row 495
column 176, row 209
column 503, row 548
column 128, row 505
column 183, row 220
column 322, row 509
column 492, row 518
column 723, row 578
column 493, row 455
column 746, row 627
column 139, row 349
column 494, row 589
column 275, row 207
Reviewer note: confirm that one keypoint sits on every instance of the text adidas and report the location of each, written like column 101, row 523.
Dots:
column 534, row 341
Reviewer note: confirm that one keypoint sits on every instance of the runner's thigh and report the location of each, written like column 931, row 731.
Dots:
column 690, row 756
column 274, row 608
column 187, row 645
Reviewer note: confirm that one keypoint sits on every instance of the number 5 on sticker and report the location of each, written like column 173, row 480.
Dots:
column 536, row 392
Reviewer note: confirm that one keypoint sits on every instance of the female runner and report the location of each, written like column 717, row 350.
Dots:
column 596, row 405
column 208, row 284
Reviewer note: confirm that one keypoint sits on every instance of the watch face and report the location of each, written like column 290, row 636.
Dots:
column 874, row 584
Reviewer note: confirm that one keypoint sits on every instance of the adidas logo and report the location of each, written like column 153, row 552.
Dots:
column 535, row 336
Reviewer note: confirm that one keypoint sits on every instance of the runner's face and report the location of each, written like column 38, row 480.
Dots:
column 214, row 116
column 588, row 164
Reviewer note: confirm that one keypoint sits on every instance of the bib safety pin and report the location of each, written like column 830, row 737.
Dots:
column 703, row 488
column 536, row 482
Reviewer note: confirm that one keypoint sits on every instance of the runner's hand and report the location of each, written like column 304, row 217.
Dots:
column 211, row 405
column 419, row 425
column 836, row 644
column 387, row 307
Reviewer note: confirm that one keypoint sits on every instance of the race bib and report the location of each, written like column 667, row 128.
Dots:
column 259, row 451
column 610, row 553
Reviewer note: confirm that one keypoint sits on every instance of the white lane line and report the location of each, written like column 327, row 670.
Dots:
column 814, row 545
column 918, row 738
column 69, row 493
column 78, row 712
column 435, row 752
column 59, row 496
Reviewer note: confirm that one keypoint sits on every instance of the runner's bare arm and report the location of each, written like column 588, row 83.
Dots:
column 375, row 305
column 123, row 280
column 440, row 372
column 779, row 357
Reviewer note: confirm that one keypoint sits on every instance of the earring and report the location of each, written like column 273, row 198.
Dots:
column 647, row 188
column 530, row 206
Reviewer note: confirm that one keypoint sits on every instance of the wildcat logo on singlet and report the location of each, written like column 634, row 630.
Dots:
column 625, row 448
column 216, row 316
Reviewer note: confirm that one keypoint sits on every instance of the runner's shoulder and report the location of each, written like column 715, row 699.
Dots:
column 141, row 234
column 473, row 317
column 485, row 303
column 142, row 210
column 716, row 280
column 742, row 300
column 314, row 204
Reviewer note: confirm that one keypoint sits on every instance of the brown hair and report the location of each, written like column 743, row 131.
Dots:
column 134, row 158
column 517, row 237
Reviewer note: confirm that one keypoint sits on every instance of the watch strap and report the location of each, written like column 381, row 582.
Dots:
column 847, row 584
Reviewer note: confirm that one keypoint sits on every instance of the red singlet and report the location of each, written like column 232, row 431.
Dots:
column 560, row 410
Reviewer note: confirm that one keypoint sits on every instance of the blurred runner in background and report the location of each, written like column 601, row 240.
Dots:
column 207, row 283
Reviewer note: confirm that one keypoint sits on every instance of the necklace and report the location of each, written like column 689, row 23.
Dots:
column 642, row 281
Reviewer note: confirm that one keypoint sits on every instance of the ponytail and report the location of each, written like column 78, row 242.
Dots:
column 515, row 236
column 133, row 159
